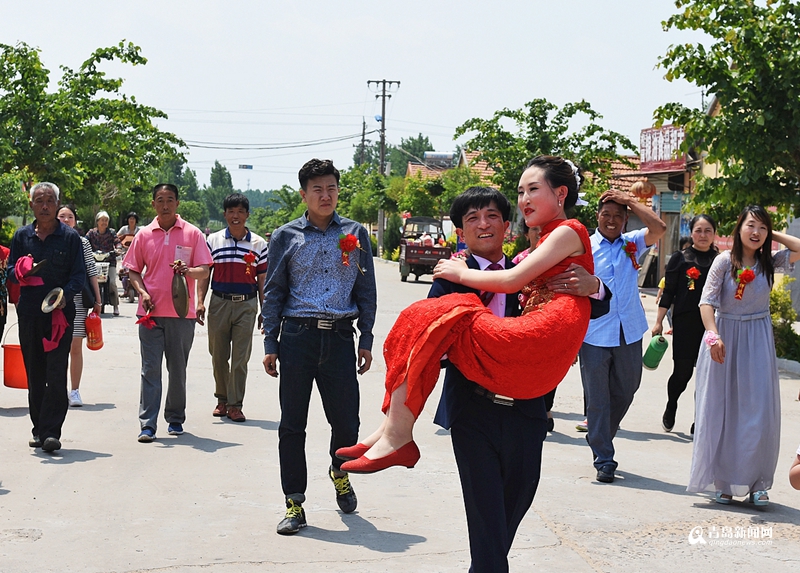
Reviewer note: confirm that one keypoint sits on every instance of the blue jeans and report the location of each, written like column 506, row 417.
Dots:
column 327, row 356
column 610, row 376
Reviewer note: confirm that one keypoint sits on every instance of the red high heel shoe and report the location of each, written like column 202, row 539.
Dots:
column 352, row 452
column 407, row 456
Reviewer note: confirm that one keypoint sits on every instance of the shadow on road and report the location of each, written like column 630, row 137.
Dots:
column 363, row 533
column 95, row 407
column 773, row 513
column 270, row 425
column 68, row 456
column 13, row 412
column 207, row 445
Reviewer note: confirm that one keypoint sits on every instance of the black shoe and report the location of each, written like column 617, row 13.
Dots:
column 551, row 424
column 606, row 473
column 668, row 419
column 35, row 442
column 345, row 496
column 295, row 518
column 691, row 430
column 51, row 445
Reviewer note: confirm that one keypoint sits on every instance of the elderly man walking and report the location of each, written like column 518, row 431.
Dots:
column 46, row 337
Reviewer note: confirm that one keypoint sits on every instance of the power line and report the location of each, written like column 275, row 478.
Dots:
column 264, row 110
column 269, row 146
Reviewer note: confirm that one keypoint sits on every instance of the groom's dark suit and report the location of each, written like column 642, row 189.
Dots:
column 498, row 448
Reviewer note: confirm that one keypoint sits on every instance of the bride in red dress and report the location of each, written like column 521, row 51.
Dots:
column 500, row 354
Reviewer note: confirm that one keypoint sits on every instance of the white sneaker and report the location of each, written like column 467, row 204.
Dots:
column 75, row 399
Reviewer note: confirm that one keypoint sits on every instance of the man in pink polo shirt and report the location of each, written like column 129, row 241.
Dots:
column 166, row 246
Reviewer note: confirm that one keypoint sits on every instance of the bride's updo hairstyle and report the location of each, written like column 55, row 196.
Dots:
column 559, row 171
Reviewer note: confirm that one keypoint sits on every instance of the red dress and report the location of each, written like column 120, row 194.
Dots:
column 523, row 357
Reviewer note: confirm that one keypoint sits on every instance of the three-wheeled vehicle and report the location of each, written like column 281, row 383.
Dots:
column 422, row 245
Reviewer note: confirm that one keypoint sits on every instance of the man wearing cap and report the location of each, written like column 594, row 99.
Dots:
column 320, row 278
column 237, row 293
column 166, row 247
column 104, row 240
column 58, row 251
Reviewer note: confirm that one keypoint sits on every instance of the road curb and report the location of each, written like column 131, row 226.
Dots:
column 790, row 366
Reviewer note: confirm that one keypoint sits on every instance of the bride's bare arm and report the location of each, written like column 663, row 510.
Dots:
column 563, row 242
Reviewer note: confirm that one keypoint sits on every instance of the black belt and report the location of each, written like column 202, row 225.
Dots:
column 322, row 323
column 496, row 398
column 234, row 297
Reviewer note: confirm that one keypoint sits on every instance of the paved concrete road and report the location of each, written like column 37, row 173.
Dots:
column 210, row 500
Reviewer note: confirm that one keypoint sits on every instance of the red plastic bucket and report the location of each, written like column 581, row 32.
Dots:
column 14, row 374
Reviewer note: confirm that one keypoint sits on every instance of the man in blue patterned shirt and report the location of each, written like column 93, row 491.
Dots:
column 320, row 278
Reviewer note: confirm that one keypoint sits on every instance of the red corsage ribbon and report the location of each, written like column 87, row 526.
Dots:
column 630, row 249
column 692, row 275
column 348, row 243
column 147, row 322
column 249, row 260
column 743, row 276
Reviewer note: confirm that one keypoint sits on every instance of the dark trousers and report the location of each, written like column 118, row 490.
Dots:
column 498, row 451
column 47, row 373
column 328, row 356
column 681, row 374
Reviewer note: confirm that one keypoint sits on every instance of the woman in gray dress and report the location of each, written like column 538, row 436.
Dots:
column 737, row 434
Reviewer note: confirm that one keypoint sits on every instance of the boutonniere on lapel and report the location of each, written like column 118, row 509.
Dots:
column 743, row 276
column 630, row 249
column 249, row 260
column 460, row 255
column 692, row 275
column 347, row 244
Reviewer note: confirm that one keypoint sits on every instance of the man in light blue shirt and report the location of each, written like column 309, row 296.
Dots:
column 611, row 354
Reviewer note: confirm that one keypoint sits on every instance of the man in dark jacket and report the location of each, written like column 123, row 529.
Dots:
column 58, row 249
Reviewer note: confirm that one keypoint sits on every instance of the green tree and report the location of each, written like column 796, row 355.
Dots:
column 416, row 198
column 195, row 212
column 410, row 149
column 362, row 192
column 176, row 171
column 221, row 186
column 288, row 205
column 751, row 66
column 543, row 128
column 368, row 154
column 393, row 233
column 86, row 136
column 13, row 199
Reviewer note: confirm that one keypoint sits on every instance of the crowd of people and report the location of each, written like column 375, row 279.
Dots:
column 312, row 293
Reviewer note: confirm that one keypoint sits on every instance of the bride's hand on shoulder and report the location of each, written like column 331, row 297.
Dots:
column 450, row 269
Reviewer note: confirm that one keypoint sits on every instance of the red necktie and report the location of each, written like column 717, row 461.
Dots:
column 486, row 297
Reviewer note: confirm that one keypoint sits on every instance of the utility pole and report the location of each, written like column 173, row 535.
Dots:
column 385, row 86
column 363, row 142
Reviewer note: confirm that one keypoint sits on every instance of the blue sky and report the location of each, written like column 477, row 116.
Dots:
column 251, row 72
